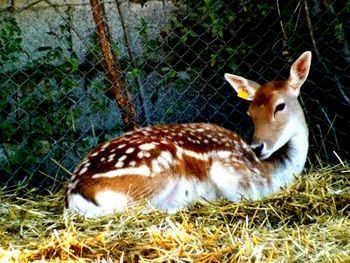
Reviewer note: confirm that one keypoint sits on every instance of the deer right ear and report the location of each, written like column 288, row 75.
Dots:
column 299, row 71
column 245, row 88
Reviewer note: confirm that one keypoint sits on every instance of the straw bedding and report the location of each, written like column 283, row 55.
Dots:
column 306, row 222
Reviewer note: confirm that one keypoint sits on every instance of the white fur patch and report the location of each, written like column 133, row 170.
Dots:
column 226, row 181
column 181, row 192
column 199, row 156
column 111, row 157
column 108, row 203
column 155, row 167
column 83, row 170
column 141, row 170
column 164, row 163
column 167, row 156
column 122, row 158
column 121, row 145
column 130, row 150
column 105, row 145
column 224, row 154
column 143, row 154
column 119, row 164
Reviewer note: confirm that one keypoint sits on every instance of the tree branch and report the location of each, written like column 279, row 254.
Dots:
column 113, row 68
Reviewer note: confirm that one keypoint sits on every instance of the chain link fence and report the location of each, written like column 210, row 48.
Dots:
column 55, row 97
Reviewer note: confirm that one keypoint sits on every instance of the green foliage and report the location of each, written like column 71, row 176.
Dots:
column 39, row 105
column 210, row 30
column 10, row 41
column 339, row 33
column 150, row 45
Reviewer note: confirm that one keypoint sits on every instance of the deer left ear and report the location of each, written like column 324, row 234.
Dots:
column 299, row 71
column 245, row 88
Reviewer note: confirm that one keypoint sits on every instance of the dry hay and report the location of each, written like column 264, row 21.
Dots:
column 306, row 222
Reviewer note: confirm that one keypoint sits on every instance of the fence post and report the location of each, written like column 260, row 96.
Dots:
column 113, row 68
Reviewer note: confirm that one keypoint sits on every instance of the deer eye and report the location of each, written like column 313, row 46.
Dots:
column 280, row 107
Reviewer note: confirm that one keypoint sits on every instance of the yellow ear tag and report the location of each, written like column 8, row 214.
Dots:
column 243, row 93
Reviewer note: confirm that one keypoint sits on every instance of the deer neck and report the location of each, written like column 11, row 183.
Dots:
column 289, row 160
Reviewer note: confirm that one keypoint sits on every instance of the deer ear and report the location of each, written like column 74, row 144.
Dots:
column 300, row 71
column 245, row 88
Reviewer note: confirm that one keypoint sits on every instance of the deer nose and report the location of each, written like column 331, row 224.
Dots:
column 258, row 148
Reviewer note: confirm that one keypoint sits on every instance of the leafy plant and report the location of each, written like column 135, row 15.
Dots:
column 39, row 107
column 10, row 41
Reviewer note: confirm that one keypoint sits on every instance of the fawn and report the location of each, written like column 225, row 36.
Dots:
column 172, row 166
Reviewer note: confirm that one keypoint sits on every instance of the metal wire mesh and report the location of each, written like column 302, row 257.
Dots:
column 55, row 104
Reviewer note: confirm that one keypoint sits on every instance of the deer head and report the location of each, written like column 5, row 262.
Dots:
column 274, row 109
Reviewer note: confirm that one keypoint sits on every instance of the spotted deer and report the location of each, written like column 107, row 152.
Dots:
column 171, row 166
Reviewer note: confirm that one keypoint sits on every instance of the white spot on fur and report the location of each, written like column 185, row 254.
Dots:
column 87, row 165
column 130, row 150
column 111, row 157
column 132, row 163
column 122, row 158
column 224, row 139
column 95, row 154
column 179, row 152
column 141, row 170
column 143, row 154
column 71, row 186
column 121, row 145
column 105, row 145
column 119, row 164
column 147, row 146
column 83, row 170
column 199, row 156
